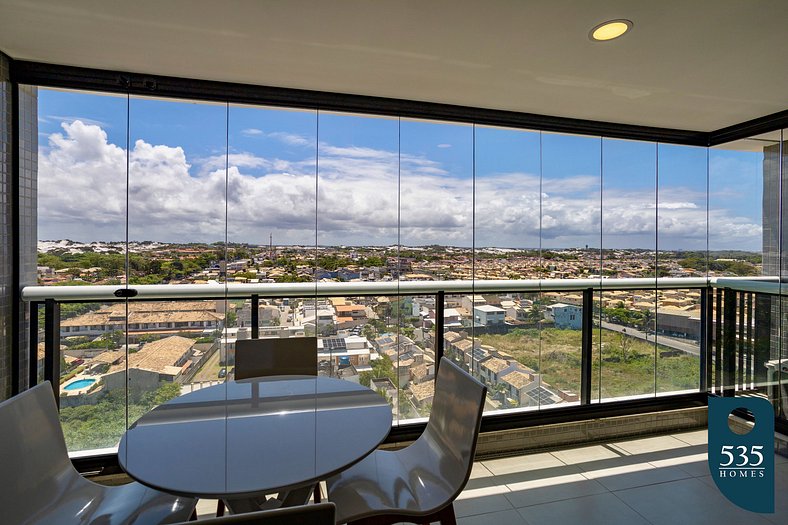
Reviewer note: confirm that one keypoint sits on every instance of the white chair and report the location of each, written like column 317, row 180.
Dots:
column 318, row 514
column 276, row 356
column 421, row 481
column 39, row 485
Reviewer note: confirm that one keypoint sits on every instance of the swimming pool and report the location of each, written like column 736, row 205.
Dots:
column 79, row 383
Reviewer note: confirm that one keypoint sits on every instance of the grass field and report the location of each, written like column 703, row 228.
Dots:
column 625, row 365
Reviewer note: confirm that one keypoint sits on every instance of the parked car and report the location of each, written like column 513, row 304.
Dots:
column 222, row 373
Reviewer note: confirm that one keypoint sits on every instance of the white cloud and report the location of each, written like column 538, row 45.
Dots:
column 251, row 132
column 359, row 200
column 70, row 119
column 444, row 145
column 291, row 139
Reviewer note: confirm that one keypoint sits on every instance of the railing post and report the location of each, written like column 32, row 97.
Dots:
column 762, row 344
column 52, row 345
column 440, row 298
column 729, row 343
column 749, row 336
column 256, row 316
column 739, row 378
column 33, row 345
column 587, row 342
column 705, row 337
column 718, row 342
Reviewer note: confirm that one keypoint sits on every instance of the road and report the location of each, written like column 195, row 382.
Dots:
column 209, row 370
column 663, row 340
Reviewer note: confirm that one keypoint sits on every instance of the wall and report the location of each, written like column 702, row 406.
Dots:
column 5, row 230
column 27, row 235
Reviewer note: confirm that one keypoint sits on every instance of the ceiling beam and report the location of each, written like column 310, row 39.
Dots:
column 69, row 77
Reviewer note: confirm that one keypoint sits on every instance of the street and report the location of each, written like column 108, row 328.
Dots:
column 663, row 340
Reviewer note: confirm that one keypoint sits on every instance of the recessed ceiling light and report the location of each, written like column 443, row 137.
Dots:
column 610, row 30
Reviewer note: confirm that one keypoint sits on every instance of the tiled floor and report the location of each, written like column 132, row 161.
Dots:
column 655, row 480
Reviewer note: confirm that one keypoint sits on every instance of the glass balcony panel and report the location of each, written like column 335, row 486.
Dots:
column 596, row 349
column 558, row 375
column 411, row 351
column 177, row 231
column 682, row 227
column 93, row 375
column 507, row 191
column 678, row 331
column 571, row 241
column 627, row 344
column 271, row 192
column 629, row 241
column 82, row 240
column 435, row 230
column 745, row 233
column 271, row 217
column 81, row 193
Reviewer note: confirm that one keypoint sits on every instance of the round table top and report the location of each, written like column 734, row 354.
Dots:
column 256, row 436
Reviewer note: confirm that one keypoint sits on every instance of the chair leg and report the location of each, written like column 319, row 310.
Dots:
column 220, row 508
column 316, row 494
column 446, row 515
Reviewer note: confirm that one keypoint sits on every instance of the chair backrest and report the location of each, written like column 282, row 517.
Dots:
column 318, row 514
column 276, row 356
column 35, row 464
column 454, row 422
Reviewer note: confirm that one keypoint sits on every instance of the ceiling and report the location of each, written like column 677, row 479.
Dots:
column 700, row 65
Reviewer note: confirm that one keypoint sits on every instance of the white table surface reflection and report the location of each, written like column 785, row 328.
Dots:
column 253, row 437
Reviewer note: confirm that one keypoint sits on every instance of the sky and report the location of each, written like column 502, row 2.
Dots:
column 199, row 172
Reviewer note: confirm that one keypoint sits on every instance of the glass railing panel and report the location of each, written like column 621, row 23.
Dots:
column 560, row 356
column 596, row 349
column 92, row 381
column 507, row 358
column 627, row 344
column 677, row 330
column 411, row 350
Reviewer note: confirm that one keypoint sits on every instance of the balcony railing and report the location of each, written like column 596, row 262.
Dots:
column 732, row 351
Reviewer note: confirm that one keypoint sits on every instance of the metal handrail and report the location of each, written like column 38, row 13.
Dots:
column 329, row 289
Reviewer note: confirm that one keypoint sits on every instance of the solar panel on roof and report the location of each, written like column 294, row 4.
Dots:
column 542, row 396
column 334, row 344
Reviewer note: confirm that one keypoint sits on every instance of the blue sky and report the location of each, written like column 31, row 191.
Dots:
column 380, row 180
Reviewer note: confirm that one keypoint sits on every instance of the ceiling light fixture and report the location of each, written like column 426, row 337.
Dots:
column 610, row 30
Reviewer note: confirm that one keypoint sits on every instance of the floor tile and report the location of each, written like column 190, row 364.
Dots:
column 652, row 444
column 542, row 474
column 468, row 505
column 480, row 471
column 482, row 478
column 780, row 515
column 636, row 475
column 536, row 492
column 690, row 501
column 697, row 437
column 599, row 509
column 506, row 517
column 522, row 463
column 695, row 465
column 574, row 456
